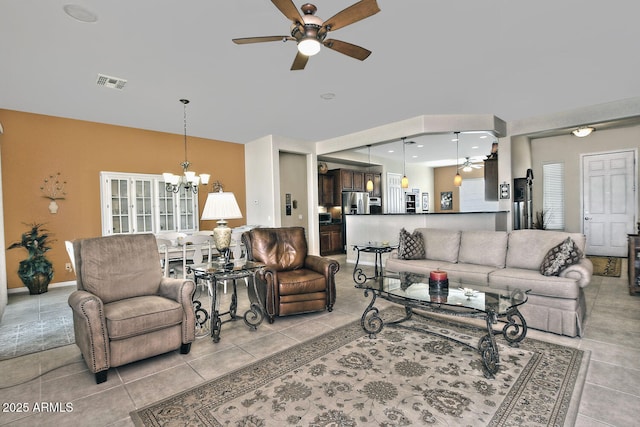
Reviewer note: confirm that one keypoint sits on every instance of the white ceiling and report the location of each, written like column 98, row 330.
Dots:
column 511, row 59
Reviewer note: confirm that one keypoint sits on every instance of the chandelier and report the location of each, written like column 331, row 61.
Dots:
column 188, row 180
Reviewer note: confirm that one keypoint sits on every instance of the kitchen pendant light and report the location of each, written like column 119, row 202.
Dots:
column 370, row 180
column 457, row 180
column 405, row 180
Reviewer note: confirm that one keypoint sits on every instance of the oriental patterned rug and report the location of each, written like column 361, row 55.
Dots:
column 402, row 377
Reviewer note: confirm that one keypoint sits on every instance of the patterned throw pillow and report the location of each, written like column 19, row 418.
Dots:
column 411, row 246
column 560, row 257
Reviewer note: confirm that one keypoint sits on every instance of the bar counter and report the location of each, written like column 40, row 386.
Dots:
column 362, row 229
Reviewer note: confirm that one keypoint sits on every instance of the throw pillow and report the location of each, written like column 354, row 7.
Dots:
column 560, row 257
column 411, row 246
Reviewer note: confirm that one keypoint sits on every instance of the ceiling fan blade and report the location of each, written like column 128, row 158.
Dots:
column 289, row 10
column 247, row 40
column 299, row 62
column 354, row 13
column 348, row 49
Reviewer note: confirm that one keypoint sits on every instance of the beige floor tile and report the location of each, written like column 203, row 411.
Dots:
column 162, row 384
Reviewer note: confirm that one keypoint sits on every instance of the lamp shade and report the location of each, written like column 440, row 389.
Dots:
column 221, row 205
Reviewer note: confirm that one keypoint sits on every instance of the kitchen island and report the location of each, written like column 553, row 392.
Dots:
column 385, row 228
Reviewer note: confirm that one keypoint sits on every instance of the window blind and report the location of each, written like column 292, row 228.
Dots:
column 553, row 195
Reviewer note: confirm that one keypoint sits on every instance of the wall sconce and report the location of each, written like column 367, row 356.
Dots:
column 53, row 189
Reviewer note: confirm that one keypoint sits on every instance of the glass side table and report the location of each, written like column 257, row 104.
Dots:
column 376, row 248
column 213, row 272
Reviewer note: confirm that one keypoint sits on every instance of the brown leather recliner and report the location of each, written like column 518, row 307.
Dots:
column 124, row 310
column 293, row 281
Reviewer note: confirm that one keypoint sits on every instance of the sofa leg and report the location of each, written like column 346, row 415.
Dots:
column 185, row 348
column 101, row 377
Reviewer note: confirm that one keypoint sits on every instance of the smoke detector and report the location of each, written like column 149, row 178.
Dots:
column 111, row 82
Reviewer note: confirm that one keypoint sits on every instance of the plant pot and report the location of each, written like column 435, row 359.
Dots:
column 37, row 284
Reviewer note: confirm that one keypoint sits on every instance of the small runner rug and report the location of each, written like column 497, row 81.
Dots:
column 606, row 266
column 401, row 377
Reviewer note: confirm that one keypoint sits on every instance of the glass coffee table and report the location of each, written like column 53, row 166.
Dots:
column 459, row 298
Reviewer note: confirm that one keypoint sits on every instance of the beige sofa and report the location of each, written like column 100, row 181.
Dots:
column 506, row 261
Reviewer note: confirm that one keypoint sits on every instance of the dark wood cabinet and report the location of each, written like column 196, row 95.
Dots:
column 491, row 180
column 377, row 183
column 330, row 239
column 351, row 180
column 325, row 190
column 634, row 264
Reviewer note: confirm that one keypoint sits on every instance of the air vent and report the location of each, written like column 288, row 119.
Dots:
column 111, row 82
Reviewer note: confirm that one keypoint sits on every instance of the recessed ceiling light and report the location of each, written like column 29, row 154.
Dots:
column 390, row 151
column 414, row 157
column 79, row 13
column 483, row 136
column 420, row 146
column 328, row 96
column 475, row 147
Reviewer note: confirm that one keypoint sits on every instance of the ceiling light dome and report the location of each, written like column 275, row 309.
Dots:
column 309, row 46
column 581, row 132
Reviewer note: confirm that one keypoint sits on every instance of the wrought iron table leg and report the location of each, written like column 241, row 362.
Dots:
column 216, row 323
column 234, row 301
column 255, row 315
column 358, row 275
column 515, row 329
column 370, row 321
column 489, row 349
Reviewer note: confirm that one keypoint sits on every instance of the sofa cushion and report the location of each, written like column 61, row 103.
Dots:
column 411, row 246
column 301, row 281
column 483, row 248
column 441, row 245
column 120, row 267
column 525, row 279
column 140, row 315
column 560, row 257
column 527, row 248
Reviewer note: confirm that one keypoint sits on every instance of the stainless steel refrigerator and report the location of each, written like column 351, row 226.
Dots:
column 353, row 203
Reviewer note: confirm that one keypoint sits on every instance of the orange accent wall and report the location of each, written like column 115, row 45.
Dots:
column 35, row 146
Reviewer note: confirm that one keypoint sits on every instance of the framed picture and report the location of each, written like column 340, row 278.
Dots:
column 425, row 202
column 446, row 200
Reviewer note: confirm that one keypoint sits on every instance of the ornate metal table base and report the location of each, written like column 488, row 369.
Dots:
column 514, row 331
column 252, row 317
column 358, row 274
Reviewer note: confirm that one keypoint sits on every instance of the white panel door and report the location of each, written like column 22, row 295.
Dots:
column 395, row 197
column 609, row 202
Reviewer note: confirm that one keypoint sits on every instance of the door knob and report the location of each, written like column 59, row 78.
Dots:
column 587, row 218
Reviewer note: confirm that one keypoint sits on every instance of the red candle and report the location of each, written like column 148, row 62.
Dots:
column 438, row 275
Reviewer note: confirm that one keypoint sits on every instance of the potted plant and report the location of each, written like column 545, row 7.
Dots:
column 36, row 271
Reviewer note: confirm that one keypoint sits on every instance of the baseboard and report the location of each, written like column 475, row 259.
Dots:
column 24, row 290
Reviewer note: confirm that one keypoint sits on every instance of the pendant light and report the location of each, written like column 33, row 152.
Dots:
column 370, row 181
column 405, row 180
column 457, row 180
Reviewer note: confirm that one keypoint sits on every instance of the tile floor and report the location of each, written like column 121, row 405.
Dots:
column 611, row 395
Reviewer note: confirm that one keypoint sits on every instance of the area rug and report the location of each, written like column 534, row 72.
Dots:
column 606, row 266
column 401, row 377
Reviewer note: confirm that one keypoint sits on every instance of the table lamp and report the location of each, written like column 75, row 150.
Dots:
column 221, row 206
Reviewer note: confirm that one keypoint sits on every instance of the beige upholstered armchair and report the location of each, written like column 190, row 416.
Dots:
column 124, row 310
column 292, row 281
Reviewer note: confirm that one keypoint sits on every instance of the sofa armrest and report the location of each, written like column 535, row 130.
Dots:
column 90, row 329
column 182, row 290
column 266, row 279
column 581, row 271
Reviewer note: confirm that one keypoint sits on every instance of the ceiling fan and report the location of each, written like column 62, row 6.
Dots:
column 467, row 165
column 310, row 32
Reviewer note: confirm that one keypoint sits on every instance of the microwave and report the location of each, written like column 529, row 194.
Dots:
column 324, row 218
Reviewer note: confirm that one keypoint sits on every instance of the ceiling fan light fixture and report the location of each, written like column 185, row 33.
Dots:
column 583, row 131
column 467, row 168
column 309, row 46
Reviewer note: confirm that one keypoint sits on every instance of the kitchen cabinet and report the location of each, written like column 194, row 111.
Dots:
column 325, row 189
column 491, row 180
column 377, row 183
column 351, row 180
column 331, row 239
